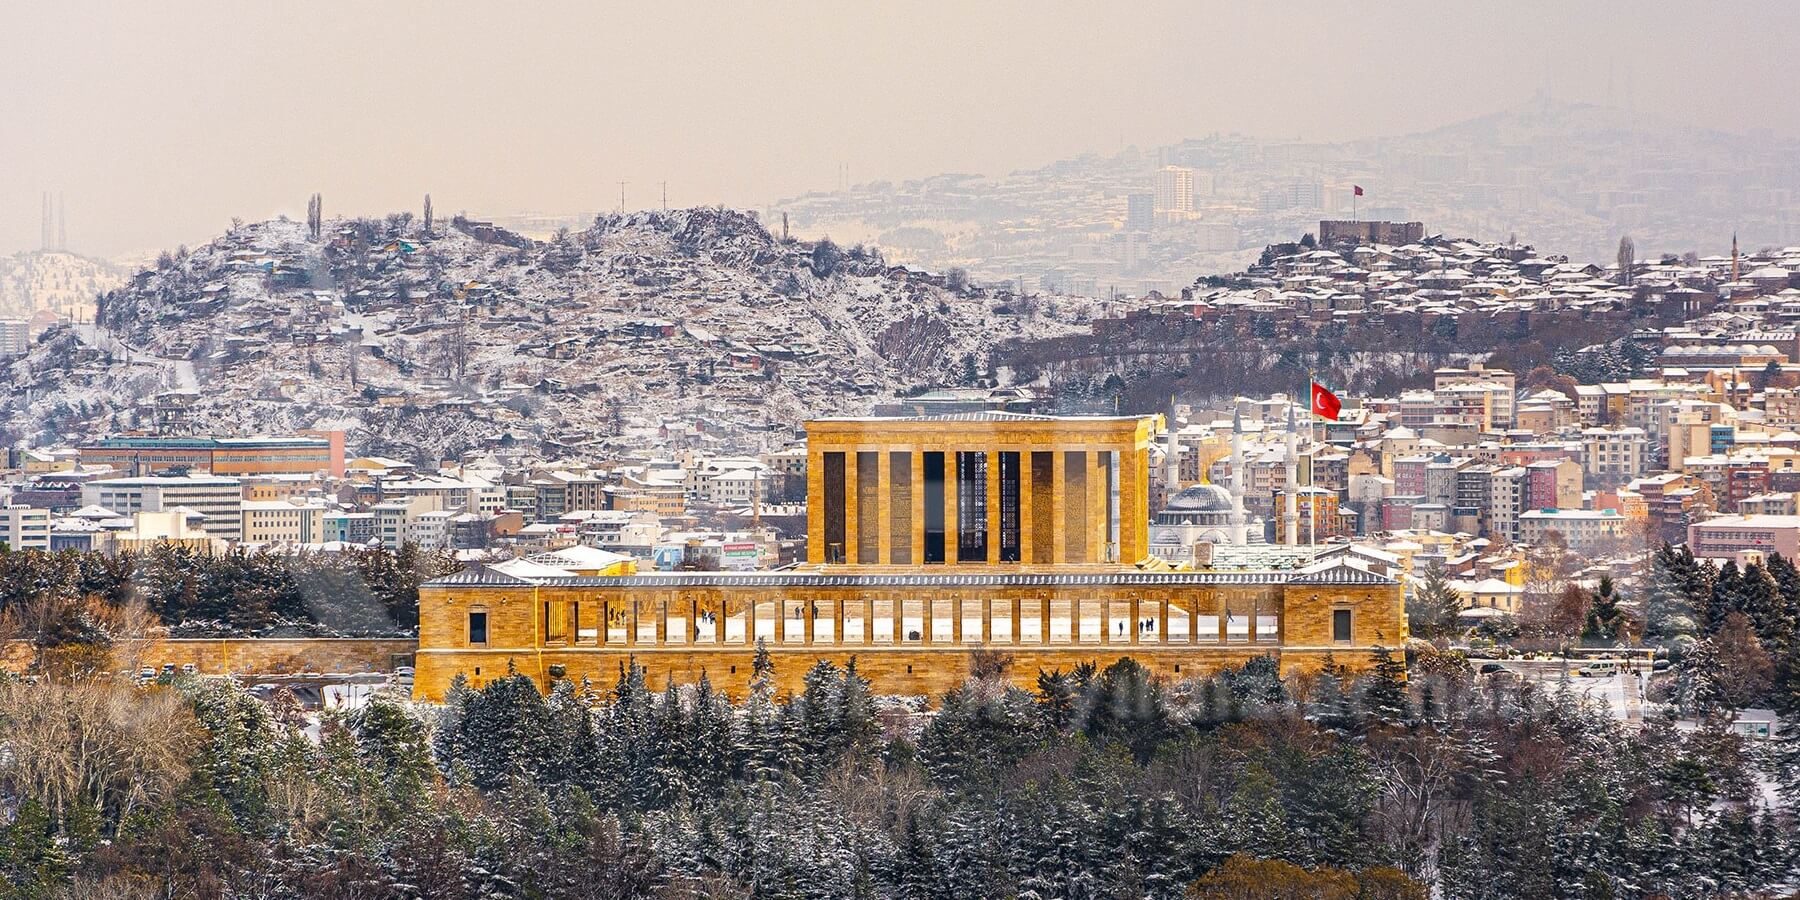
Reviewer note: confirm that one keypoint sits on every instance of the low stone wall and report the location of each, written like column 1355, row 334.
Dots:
column 254, row 656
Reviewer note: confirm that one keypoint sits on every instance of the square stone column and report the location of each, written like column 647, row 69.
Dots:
column 815, row 505
column 1098, row 505
column 1059, row 488
column 917, row 490
column 852, row 507
column 1134, row 505
column 1027, row 511
column 884, row 508
column 993, row 507
column 952, row 478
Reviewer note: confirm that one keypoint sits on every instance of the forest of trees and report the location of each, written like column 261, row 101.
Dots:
column 76, row 598
column 1102, row 783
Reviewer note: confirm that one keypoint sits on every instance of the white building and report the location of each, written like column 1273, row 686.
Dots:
column 15, row 337
column 431, row 530
column 1615, row 454
column 1174, row 189
column 394, row 519
column 281, row 522
column 469, row 493
column 1499, row 383
column 25, row 528
column 219, row 499
column 1505, row 503
column 1582, row 529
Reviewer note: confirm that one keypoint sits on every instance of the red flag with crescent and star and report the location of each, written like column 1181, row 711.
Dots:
column 1325, row 404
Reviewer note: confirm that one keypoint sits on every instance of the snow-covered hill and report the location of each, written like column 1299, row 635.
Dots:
column 64, row 283
column 426, row 344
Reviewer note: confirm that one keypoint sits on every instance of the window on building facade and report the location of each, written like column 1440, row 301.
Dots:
column 1340, row 626
column 478, row 626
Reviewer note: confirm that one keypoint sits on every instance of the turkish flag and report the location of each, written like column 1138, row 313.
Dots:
column 1325, row 404
column 1357, row 188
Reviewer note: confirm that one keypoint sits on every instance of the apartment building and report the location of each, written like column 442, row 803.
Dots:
column 24, row 528
column 282, row 522
column 1615, row 455
column 394, row 520
column 219, row 500
column 1507, row 493
column 1726, row 536
column 1584, row 530
column 1498, row 385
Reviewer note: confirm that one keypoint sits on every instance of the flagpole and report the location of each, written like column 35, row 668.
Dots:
column 1312, row 499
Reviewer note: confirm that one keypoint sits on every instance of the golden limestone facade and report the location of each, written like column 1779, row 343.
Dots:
column 927, row 538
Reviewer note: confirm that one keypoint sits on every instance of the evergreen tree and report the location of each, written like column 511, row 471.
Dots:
column 1432, row 606
column 1699, row 680
column 1727, row 597
column 1056, row 695
column 1605, row 620
column 504, row 731
column 1384, row 689
column 1670, row 617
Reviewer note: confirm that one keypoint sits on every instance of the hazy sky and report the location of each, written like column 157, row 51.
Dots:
column 160, row 121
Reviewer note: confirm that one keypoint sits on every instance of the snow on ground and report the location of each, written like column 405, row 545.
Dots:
column 695, row 320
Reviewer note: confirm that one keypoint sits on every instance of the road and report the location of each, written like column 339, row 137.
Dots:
column 1622, row 693
column 182, row 375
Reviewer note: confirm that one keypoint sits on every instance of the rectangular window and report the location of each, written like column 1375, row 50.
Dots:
column 1340, row 626
column 835, row 513
column 1009, row 506
column 971, row 506
column 478, row 627
column 934, row 507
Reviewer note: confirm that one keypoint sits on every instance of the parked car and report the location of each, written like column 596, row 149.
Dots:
column 1599, row 668
column 1491, row 668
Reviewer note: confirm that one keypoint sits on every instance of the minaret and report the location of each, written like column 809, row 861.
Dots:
column 1171, row 460
column 1239, row 533
column 1290, row 514
column 1734, row 258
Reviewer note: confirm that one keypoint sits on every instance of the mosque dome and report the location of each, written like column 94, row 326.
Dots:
column 1200, row 498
